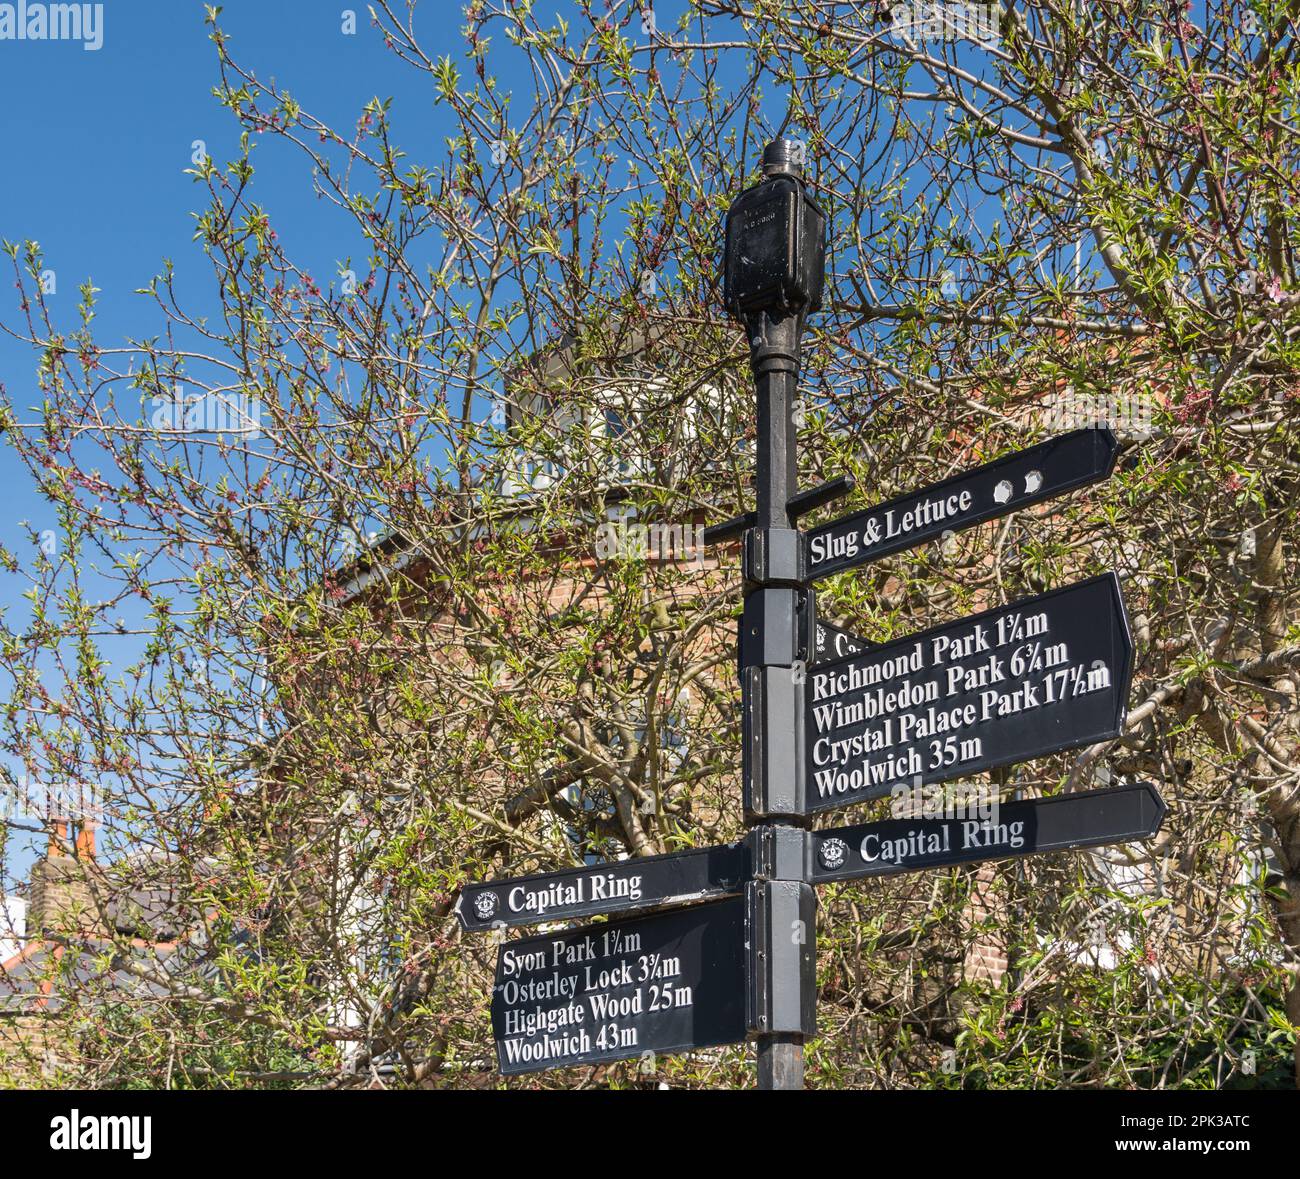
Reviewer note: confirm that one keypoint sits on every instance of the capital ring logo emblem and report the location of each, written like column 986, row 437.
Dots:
column 833, row 853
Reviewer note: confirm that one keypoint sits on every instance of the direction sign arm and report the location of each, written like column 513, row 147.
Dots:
column 1123, row 814
column 812, row 498
column 1027, row 477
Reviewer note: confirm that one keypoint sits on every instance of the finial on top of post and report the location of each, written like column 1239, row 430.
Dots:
column 781, row 157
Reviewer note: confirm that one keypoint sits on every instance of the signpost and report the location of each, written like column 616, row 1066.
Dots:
column 1019, row 480
column 1037, row 676
column 828, row 720
column 667, row 983
column 1089, row 819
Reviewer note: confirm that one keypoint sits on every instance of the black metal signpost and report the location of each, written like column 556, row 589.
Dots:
column 773, row 268
column 828, row 720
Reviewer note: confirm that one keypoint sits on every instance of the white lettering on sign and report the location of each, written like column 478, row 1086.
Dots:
column 971, row 835
column 562, row 893
column 606, row 992
column 921, row 709
column 889, row 524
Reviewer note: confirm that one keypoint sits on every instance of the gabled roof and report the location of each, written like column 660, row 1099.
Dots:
column 36, row 979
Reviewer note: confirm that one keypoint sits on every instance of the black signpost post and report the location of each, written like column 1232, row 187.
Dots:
column 773, row 268
column 829, row 720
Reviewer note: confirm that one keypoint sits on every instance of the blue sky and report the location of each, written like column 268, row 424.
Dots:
column 96, row 144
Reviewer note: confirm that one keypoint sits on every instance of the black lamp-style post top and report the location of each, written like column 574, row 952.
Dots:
column 775, row 251
column 780, row 157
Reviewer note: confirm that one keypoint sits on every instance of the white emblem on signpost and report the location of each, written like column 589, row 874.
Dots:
column 485, row 906
column 833, row 853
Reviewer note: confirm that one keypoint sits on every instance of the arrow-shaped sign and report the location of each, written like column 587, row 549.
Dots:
column 1040, row 675
column 1016, row 481
column 642, row 882
column 997, row 832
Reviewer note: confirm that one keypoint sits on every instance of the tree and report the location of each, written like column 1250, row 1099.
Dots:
column 1038, row 216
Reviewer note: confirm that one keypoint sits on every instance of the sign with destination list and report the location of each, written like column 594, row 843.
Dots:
column 1018, row 480
column 666, row 983
column 1040, row 675
column 642, row 882
column 1088, row 819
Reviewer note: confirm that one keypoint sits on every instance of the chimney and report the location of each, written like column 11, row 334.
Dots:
column 58, row 839
column 60, row 900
